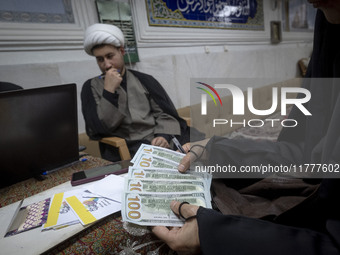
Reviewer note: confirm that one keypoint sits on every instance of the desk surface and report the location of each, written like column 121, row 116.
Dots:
column 34, row 241
column 108, row 236
column 30, row 187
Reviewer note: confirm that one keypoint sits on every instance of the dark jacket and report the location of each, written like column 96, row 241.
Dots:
column 158, row 94
column 312, row 226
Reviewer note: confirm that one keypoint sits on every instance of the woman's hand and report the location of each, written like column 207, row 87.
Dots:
column 181, row 239
column 186, row 147
column 194, row 151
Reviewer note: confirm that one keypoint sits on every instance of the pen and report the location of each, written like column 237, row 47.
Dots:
column 178, row 145
column 64, row 166
column 50, row 171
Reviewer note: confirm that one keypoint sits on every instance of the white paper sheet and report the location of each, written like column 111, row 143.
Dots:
column 112, row 187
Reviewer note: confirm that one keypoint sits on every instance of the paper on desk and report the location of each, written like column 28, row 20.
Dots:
column 60, row 213
column 29, row 217
column 98, row 199
column 111, row 187
column 88, row 210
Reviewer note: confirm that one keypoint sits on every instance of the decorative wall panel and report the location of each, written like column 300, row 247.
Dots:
column 223, row 14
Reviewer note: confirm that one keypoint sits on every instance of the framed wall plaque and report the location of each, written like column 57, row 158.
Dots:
column 223, row 14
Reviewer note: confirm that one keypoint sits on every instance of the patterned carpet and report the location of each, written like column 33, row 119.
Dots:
column 112, row 236
column 30, row 187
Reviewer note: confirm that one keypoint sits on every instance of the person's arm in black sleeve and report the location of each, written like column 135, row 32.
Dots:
column 94, row 127
column 98, row 111
column 111, row 97
column 235, row 235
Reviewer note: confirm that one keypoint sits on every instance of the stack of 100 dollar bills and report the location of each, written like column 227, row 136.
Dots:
column 154, row 181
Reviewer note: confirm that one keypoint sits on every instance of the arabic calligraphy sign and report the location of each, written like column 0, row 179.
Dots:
column 227, row 14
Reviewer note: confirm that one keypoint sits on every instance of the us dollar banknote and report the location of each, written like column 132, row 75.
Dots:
column 137, row 185
column 168, row 174
column 153, row 209
column 147, row 160
column 158, row 152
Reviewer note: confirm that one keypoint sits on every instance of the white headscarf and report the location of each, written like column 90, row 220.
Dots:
column 102, row 34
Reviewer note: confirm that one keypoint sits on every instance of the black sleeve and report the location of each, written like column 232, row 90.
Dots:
column 247, row 152
column 94, row 128
column 111, row 97
column 236, row 235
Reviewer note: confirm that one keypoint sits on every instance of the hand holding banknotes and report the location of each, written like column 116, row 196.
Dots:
column 183, row 239
column 156, row 194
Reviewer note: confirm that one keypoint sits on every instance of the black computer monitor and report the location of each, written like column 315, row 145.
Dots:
column 38, row 131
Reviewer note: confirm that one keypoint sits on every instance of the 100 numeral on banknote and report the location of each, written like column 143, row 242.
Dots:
column 151, row 209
